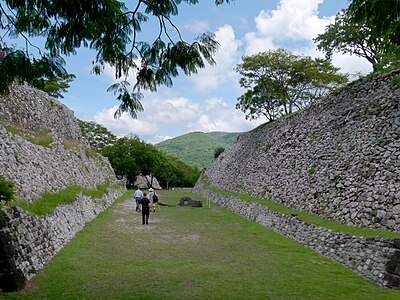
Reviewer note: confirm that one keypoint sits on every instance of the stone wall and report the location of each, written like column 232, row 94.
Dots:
column 34, row 109
column 339, row 159
column 375, row 258
column 28, row 242
column 36, row 169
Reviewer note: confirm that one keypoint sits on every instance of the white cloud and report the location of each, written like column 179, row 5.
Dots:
column 256, row 43
column 351, row 64
column 292, row 20
column 197, row 26
column 294, row 25
column 211, row 77
column 167, row 117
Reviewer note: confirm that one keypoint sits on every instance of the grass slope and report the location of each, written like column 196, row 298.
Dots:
column 197, row 148
column 191, row 253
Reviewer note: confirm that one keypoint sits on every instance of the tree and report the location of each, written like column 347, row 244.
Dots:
column 177, row 173
column 113, row 31
column 97, row 135
column 47, row 73
column 131, row 157
column 349, row 36
column 382, row 17
column 218, row 151
column 6, row 190
column 279, row 82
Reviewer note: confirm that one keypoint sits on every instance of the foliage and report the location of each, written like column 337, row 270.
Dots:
column 39, row 137
column 97, row 135
column 197, row 148
column 6, row 190
column 46, row 73
column 113, row 30
column 383, row 17
column 49, row 201
column 176, row 173
column 307, row 217
column 278, row 83
column 131, row 157
column 218, row 151
column 349, row 36
column 190, row 253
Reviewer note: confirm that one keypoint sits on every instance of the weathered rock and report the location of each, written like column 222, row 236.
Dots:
column 339, row 149
column 28, row 242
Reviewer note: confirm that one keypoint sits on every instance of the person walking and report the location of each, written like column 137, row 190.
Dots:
column 153, row 199
column 138, row 196
column 145, row 203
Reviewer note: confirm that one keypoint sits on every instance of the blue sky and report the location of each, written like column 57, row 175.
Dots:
column 206, row 101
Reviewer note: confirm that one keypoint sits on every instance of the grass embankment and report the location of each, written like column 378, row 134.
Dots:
column 190, row 253
column 309, row 218
column 48, row 202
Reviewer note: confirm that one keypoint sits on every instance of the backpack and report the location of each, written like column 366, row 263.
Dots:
column 155, row 198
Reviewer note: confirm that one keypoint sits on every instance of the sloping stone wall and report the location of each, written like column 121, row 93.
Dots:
column 339, row 159
column 375, row 258
column 34, row 109
column 28, row 242
column 36, row 169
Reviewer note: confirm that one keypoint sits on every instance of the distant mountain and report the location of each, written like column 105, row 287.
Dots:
column 197, row 148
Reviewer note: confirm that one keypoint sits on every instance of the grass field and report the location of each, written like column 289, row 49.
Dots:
column 190, row 253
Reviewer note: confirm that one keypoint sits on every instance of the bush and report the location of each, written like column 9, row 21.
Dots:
column 6, row 190
column 218, row 152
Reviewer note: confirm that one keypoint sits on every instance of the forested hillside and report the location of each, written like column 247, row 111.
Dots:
column 197, row 148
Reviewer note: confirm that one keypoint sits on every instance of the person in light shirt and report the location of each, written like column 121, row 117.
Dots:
column 138, row 196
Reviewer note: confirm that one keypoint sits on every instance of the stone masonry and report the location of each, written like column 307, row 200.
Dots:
column 28, row 242
column 375, row 258
column 339, row 159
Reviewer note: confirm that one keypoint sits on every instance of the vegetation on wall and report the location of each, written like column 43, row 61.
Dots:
column 97, row 135
column 49, row 201
column 39, row 137
column 6, row 190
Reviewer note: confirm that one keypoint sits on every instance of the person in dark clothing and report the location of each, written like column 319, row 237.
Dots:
column 145, row 203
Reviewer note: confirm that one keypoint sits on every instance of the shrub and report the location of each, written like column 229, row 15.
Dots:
column 218, row 151
column 6, row 190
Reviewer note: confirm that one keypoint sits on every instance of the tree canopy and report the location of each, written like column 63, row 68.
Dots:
column 382, row 17
column 347, row 35
column 131, row 157
column 97, row 135
column 113, row 30
column 278, row 82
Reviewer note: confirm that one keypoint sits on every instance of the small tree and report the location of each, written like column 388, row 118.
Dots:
column 279, row 82
column 218, row 152
column 6, row 190
column 97, row 135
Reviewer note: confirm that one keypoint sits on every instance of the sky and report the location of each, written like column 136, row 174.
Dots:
column 206, row 101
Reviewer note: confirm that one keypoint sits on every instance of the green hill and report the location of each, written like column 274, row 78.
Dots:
column 197, row 148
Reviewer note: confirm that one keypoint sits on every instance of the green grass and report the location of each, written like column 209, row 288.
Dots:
column 190, row 253
column 309, row 218
column 48, row 202
column 39, row 137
